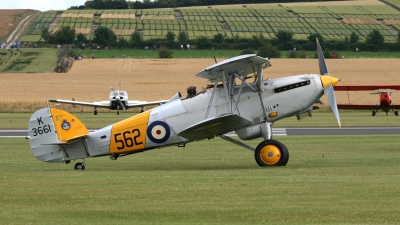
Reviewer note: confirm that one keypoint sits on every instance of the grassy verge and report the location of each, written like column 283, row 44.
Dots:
column 328, row 180
column 320, row 119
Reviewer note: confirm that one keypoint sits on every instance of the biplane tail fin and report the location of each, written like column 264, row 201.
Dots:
column 49, row 129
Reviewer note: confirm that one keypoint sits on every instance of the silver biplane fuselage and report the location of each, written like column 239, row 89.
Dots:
column 232, row 104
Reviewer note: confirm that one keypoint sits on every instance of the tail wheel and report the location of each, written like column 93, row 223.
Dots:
column 79, row 166
column 271, row 153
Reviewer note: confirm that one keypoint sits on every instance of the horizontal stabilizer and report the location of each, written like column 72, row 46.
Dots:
column 214, row 126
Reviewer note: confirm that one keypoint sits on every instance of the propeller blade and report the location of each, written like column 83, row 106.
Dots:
column 112, row 89
column 328, row 82
column 332, row 102
column 120, row 103
column 323, row 69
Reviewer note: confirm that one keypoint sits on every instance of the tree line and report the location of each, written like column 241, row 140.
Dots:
column 282, row 41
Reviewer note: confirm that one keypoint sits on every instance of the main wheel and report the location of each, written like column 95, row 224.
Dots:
column 396, row 113
column 79, row 166
column 271, row 153
column 373, row 113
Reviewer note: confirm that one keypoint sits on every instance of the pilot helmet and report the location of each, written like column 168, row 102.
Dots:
column 191, row 90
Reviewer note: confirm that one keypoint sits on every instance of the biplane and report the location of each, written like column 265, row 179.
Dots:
column 118, row 100
column 383, row 90
column 249, row 107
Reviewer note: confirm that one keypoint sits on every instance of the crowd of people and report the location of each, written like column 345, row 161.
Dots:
column 4, row 45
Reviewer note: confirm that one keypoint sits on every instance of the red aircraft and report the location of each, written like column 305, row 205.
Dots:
column 384, row 91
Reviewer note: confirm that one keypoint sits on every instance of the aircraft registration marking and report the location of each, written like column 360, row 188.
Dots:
column 130, row 134
column 46, row 128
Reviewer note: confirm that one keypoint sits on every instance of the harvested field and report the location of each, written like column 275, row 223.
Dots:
column 156, row 79
column 360, row 21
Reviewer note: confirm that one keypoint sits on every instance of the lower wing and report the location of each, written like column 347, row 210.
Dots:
column 103, row 104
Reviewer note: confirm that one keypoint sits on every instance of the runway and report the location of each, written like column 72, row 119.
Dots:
column 279, row 131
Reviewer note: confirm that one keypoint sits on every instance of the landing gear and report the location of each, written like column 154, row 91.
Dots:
column 80, row 165
column 271, row 153
column 396, row 113
column 95, row 111
column 373, row 113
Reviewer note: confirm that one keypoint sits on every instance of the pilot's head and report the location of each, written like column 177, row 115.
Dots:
column 191, row 90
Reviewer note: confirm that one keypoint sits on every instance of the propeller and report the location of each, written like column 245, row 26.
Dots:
column 117, row 98
column 328, row 82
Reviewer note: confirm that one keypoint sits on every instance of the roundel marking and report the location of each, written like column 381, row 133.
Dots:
column 158, row 132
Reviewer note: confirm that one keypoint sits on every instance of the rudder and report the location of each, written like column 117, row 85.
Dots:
column 49, row 129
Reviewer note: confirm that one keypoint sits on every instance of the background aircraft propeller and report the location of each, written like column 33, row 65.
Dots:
column 328, row 82
column 117, row 97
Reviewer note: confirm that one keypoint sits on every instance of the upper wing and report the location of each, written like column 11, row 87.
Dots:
column 372, row 107
column 134, row 103
column 214, row 126
column 235, row 64
column 103, row 104
column 366, row 87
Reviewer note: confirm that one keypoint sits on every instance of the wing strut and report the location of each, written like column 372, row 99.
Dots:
column 228, row 103
column 212, row 97
column 226, row 138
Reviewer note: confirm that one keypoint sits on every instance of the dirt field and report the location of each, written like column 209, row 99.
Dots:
column 156, row 79
column 10, row 19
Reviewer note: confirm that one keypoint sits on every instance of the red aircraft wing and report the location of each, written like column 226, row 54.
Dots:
column 366, row 87
column 371, row 107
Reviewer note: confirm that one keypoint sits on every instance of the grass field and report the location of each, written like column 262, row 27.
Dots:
column 320, row 118
column 28, row 60
column 328, row 180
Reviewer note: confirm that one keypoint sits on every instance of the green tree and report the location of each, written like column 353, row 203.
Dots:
column 218, row 38
column 136, row 39
column 268, row 50
column 183, row 38
column 165, row 53
column 285, row 39
column 353, row 37
column 203, row 43
column 81, row 39
column 122, row 42
column 258, row 40
column 45, row 34
column 374, row 40
column 104, row 36
column 312, row 41
column 65, row 35
column 398, row 41
column 236, row 39
column 170, row 38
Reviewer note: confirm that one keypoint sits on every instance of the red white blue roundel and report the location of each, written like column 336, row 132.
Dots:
column 158, row 132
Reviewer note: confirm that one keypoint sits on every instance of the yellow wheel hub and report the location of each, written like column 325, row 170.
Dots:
column 270, row 155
